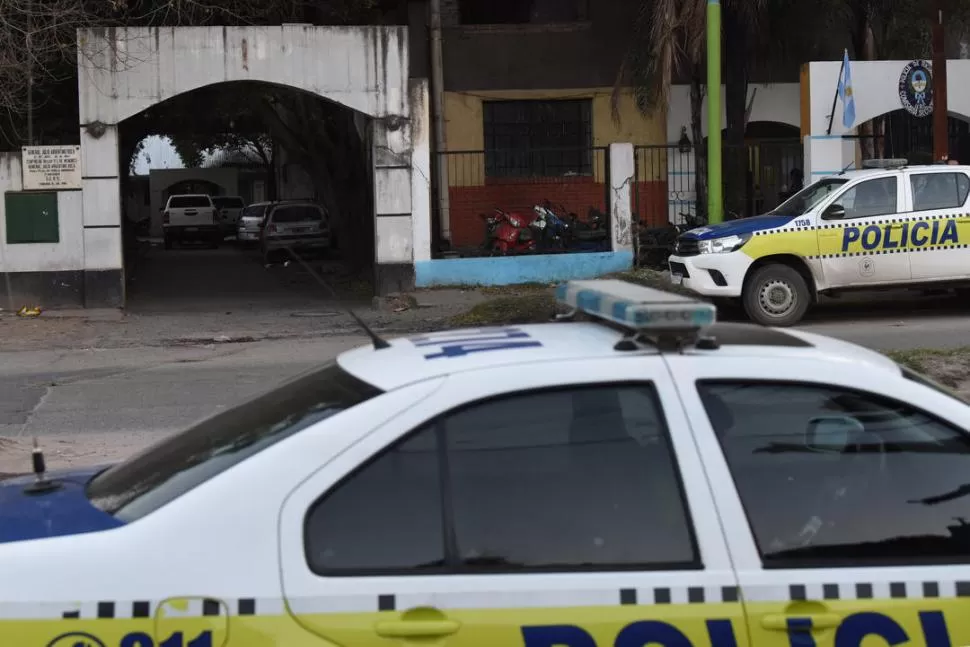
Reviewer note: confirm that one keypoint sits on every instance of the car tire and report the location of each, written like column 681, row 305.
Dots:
column 776, row 295
column 214, row 242
column 169, row 243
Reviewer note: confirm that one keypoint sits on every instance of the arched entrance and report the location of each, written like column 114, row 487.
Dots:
column 124, row 72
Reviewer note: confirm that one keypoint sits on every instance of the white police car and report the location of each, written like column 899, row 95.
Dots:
column 888, row 227
column 618, row 483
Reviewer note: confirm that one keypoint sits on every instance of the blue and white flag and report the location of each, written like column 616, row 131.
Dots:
column 845, row 93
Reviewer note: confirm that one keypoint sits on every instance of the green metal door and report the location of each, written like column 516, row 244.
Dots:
column 32, row 218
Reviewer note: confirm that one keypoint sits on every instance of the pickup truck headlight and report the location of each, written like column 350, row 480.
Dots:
column 723, row 245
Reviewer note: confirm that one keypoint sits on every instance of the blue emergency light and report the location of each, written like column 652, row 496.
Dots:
column 636, row 307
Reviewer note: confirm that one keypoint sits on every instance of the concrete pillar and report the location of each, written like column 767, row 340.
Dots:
column 421, row 169
column 393, row 227
column 622, row 177
column 827, row 155
column 104, row 284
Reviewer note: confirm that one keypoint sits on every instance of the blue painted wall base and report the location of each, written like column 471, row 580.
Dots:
column 509, row 270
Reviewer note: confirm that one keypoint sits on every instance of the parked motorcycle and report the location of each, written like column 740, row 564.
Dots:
column 508, row 233
column 589, row 235
column 553, row 231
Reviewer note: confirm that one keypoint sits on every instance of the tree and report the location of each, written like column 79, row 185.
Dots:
column 38, row 46
column 669, row 38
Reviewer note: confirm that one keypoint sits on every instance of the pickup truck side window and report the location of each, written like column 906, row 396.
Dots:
column 876, row 197
column 835, row 477
column 939, row 190
column 555, row 480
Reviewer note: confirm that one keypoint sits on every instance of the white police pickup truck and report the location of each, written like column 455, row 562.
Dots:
column 891, row 227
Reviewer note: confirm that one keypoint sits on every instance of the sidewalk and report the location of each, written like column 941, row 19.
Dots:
column 76, row 329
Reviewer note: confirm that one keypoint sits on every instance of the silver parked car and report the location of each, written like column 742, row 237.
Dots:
column 301, row 226
column 250, row 224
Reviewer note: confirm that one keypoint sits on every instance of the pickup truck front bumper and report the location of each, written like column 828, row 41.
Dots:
column 716, row 275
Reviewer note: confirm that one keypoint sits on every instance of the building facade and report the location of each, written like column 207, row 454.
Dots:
column 528, row 106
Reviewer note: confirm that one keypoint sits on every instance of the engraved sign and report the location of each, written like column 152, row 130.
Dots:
column 51, row 167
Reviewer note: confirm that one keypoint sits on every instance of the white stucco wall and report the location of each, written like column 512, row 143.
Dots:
column 779, row 103
column 875, row 88
column 67, row 254
column 125, row 71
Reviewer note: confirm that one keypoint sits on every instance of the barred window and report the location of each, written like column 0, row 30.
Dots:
column 538, row 138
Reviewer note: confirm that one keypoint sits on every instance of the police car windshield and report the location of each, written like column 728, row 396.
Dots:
column 166, row 471
column 806, row 199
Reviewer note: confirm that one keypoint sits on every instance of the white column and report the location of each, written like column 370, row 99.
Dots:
column 622, row 172
column 101, row 205
column 827, row 155
column 420, row 169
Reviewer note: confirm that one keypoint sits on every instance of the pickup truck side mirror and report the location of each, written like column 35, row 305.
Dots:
column 833, row 212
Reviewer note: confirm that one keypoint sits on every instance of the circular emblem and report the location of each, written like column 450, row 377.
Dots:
column 916, row 88
column 75, row 639
column 867, row 267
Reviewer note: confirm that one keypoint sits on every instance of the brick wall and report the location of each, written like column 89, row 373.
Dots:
column 650, row 203
column 467, row 202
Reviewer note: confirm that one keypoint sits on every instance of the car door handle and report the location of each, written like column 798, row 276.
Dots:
column 779, row 622
column 416, row 628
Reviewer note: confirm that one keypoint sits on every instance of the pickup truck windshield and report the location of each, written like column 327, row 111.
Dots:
column 806, row 199
column 189, row 202
column 166, row 471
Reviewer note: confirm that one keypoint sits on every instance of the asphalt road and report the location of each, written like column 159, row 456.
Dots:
column 159, row 390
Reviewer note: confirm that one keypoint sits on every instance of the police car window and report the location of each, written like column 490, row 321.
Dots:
column 831, row 476
column 806, row 199
column 876, row 197
column 939, row 190
column 160, row 474
column 554, row 480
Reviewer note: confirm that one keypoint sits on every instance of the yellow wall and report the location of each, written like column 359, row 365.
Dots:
column 464, row 126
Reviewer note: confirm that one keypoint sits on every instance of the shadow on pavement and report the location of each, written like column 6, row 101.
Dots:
column 195, row 279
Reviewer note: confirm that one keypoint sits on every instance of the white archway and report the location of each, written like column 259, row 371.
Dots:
column 124, row 71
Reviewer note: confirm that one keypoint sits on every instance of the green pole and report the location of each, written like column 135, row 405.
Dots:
column 715, row 189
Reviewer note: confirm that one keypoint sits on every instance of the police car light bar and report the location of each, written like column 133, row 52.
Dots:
column 892, row 162
column 636, row 307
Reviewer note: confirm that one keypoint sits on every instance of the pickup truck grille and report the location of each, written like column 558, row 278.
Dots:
column 687, row 247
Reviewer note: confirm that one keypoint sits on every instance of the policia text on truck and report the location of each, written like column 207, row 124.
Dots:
column 887, row 227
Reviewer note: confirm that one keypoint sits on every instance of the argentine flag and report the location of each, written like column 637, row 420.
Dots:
column 845, row 93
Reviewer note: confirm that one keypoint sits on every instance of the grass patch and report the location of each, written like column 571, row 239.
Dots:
column 950, row 367
column 517, row 289
column 538, row 307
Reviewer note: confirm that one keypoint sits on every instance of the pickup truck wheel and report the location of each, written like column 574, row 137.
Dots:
column 776, row 295
column 214, row 242
column 168, row 242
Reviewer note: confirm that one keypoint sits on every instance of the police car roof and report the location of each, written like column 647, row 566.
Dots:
column 412, row 359
column 922, row 168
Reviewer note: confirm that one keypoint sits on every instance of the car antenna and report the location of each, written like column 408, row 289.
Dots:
column 374, row 337
column 846, row 168
column 42, row 485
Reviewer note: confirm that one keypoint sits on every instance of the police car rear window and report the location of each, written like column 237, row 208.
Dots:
column 160, row 474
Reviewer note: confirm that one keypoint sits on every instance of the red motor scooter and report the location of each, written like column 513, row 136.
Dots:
column 509, row 233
